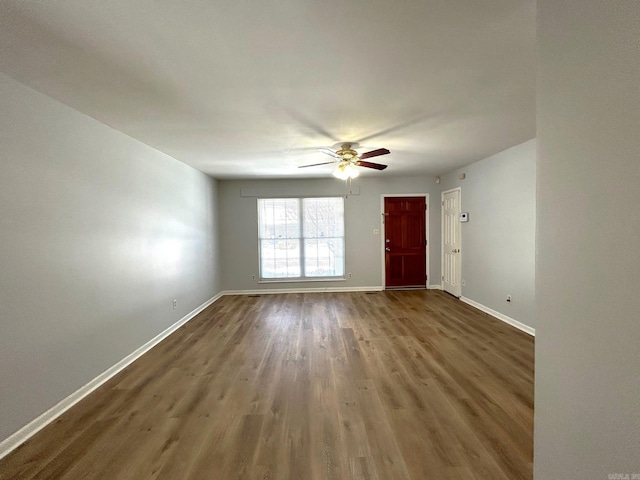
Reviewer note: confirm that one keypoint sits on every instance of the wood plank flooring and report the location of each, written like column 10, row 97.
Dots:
column 409, row 385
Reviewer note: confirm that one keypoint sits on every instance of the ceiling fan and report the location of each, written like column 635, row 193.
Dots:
column 347, row 160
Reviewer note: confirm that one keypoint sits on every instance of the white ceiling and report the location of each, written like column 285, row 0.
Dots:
column 243, row 89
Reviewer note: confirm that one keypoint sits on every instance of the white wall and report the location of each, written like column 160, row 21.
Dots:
column 239, row 224
column 498, row 242
column 98, row 234
column 587, row 421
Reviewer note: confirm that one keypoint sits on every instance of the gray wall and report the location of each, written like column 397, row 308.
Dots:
column 588, row 264
column 238, row 231
column 98, row 233
column 498, row 242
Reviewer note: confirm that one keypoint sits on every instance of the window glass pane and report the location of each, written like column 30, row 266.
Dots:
column 324, row 257
column 279, row 258
column 279, row 218
column 323, row 217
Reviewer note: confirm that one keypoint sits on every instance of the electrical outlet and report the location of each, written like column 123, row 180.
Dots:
column 508, row 298
column 175, row 304
column 464, row 283
column 350, row 275
column 253, row 277
column 376, row 231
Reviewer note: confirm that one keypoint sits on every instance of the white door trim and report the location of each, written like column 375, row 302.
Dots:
column 442, row 194
column 426, row 228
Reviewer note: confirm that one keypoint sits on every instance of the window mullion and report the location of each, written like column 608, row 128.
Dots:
column 301, row 230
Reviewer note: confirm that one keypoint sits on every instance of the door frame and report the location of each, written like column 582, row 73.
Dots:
column 426, row 233
column 459, row 189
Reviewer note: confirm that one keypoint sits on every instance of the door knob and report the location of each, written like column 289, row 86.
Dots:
column 387, row 249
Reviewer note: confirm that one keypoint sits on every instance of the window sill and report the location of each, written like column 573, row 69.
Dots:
column 302, row 280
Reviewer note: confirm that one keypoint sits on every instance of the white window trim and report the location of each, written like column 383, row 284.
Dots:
column 338, row 278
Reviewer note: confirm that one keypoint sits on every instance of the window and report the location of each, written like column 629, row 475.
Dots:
column 301, row 238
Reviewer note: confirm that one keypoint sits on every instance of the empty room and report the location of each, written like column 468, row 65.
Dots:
column 305, row 240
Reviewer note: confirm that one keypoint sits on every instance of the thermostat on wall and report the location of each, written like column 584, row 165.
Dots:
column 464, row 217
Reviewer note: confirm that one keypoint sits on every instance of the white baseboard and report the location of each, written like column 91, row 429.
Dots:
column 500, row 316
column 268, row 291
column 435, row 287
column 33, row 427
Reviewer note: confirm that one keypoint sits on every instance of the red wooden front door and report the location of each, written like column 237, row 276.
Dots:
column 405, row 245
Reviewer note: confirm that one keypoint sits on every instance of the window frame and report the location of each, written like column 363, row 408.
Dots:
column 301, row 239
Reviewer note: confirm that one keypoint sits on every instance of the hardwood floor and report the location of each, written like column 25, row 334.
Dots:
column 386, row 385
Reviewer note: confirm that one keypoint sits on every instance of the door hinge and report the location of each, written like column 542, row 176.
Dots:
column 426, row 277
column 426, row 242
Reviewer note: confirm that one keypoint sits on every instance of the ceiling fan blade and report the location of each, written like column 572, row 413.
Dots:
column 374, row 153
column 329, row 152
column 377, row 166
column 315, row 164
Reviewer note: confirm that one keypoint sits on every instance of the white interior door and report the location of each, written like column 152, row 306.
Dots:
column 451, row 265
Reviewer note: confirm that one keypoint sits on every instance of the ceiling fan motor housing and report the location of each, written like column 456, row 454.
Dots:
column 347, row 153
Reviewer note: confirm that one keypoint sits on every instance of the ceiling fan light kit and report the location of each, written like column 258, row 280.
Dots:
column 348, row 159
column 345, row 171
